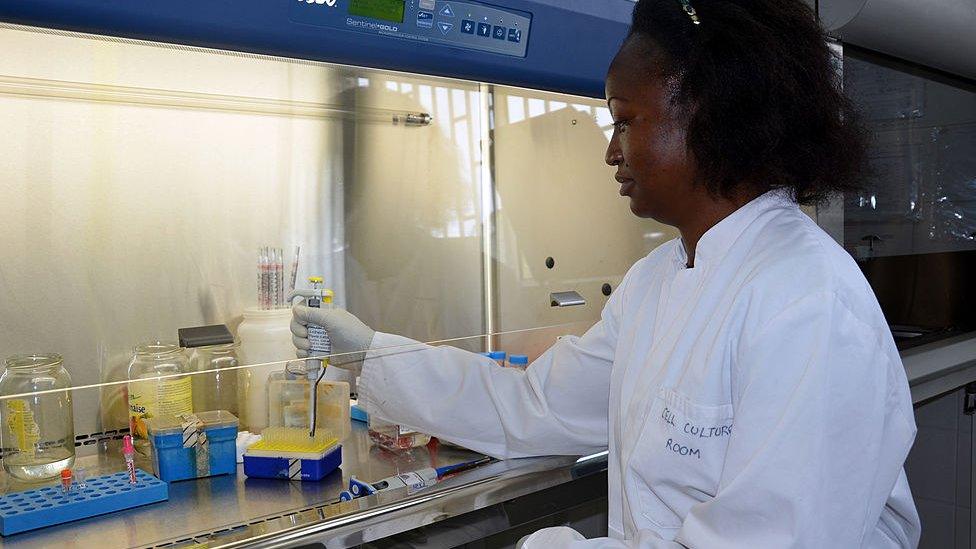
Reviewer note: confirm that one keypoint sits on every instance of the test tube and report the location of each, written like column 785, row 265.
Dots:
column 65, row 481
column 294, row 268
column 81, row 477
column 280, row 276
column 265, row 282
column 260, row 282
column 262, row 291
column 272, row 279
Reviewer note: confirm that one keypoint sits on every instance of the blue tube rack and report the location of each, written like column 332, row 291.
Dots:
column 32, row 509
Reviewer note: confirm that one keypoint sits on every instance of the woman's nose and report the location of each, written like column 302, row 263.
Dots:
column 614, row 156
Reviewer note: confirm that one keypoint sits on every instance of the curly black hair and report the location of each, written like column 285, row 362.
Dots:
column 764, row 101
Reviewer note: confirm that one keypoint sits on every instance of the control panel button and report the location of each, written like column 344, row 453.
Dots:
column 467, row 27
column 447, row 11
column 425, row 19
column 445, row 27
column 514, row 35
column 499, row 33
column 427, row 5
column 484, row 29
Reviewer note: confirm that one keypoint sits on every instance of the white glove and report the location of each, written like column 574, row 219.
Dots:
column 348, row 335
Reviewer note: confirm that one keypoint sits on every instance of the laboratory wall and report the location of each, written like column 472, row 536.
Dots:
column 560, row 224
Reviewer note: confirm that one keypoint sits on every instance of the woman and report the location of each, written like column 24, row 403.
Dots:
column 742, row 376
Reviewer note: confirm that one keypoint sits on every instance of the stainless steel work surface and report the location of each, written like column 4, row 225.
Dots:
column 233, row 510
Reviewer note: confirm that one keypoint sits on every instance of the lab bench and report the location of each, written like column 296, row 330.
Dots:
column 236, row 511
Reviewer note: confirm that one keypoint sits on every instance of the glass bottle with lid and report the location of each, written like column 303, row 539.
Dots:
column 155, row 388
column 216, row 389
column 38, row 431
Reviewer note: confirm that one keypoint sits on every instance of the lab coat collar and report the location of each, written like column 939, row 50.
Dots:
column 716, row 241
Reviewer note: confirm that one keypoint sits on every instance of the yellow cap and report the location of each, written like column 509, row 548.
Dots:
column 327, row 296
column 315, row 279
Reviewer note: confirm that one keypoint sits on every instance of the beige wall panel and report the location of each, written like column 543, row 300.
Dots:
column 557, row 198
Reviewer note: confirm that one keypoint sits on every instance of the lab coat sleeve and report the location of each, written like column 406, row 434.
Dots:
column 558, row 405
column 823, row 424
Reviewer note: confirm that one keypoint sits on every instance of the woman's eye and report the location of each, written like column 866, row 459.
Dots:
column 620, row 125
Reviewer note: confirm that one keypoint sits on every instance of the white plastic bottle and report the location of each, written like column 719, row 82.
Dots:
column 265, row 336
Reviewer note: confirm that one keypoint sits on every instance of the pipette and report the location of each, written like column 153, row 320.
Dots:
column 414, row 481
column 319, row 345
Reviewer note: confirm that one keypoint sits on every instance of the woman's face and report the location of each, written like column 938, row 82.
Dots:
column 648, row 147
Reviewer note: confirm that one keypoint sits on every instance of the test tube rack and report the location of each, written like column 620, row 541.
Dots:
column 32, row 509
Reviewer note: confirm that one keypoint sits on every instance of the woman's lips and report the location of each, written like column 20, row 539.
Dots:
column 625, row 186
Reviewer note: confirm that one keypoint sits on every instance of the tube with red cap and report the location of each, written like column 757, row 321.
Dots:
column 129, row 453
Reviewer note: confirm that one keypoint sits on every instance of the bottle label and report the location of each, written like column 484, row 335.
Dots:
column 318, row 340
column 148, row 399
column 21, row 422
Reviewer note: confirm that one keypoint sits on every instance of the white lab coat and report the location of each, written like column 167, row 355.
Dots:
column 754, row 401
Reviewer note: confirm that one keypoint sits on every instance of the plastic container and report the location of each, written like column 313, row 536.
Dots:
column 38, row 431
column 216, row 390
column 171, row 396
column 265, row 336
column 395, row 437
column 180, row 453
column 518, row 361
column 288, row 404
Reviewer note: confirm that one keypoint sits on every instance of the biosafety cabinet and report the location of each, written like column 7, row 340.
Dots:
column 424, row 155
column 440, row 165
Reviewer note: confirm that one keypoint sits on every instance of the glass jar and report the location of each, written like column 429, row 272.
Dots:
column 157, row 397
column 38, row 430
column 216, row 389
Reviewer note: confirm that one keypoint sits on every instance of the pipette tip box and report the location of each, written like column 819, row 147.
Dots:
column 32, row 509
column 291, row 468
column 201, row 445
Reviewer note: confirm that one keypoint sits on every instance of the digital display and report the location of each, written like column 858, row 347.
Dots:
column 387, row 10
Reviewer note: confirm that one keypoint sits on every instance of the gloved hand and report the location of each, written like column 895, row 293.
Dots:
column 348, row 335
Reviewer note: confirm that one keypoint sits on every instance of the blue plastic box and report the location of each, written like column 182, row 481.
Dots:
column 293, row 469
column 201, row 445
column 32, row 509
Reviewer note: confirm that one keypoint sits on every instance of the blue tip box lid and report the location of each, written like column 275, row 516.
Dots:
column 171, row 425
column 495, row 355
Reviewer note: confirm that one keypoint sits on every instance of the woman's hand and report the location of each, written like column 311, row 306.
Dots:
column 350, row 337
